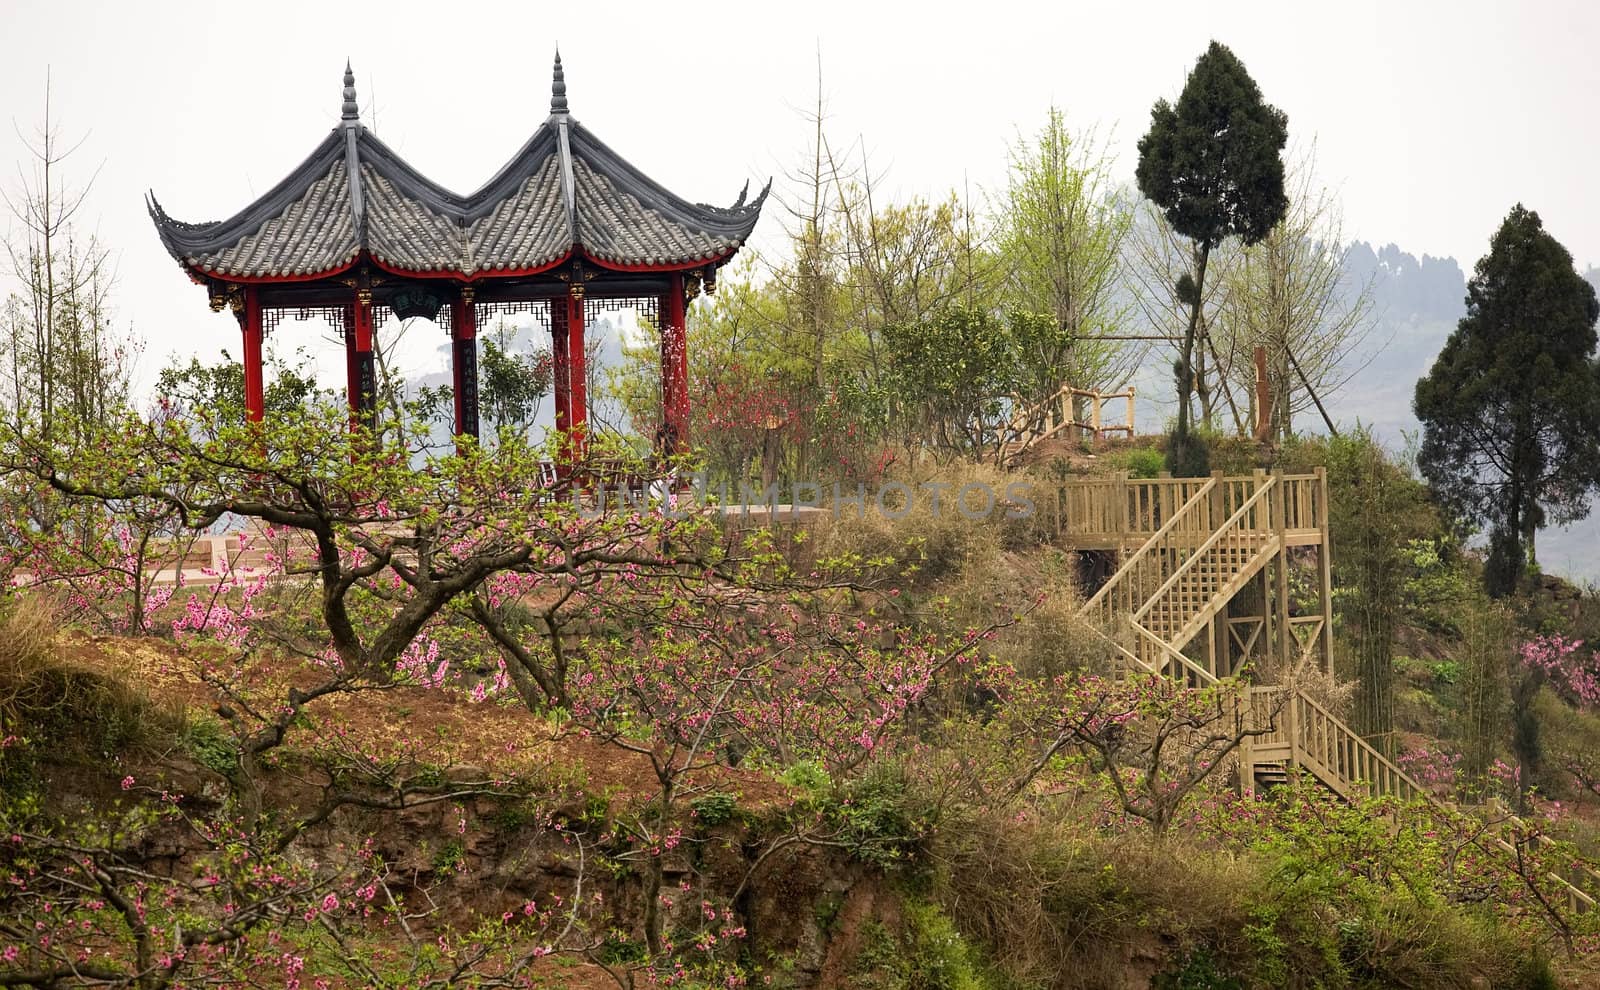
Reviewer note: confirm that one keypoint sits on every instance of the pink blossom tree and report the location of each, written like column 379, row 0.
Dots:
column 1574, row 673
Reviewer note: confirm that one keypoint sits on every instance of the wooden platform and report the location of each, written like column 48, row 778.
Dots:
column 1120, row 513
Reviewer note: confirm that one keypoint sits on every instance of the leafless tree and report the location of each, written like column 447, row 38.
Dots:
column 1157, row 257
column 60, row 352
column 1291, row 296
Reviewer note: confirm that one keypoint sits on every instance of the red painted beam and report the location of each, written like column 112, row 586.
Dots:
column 687, row 266
column 464, row 363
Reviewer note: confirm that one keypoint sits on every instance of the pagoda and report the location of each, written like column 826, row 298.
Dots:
column 566, row 229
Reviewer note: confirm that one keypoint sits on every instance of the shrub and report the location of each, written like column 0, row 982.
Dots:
column 1188, row 456
column 1144, row 462
column 879, row 819
column 929, row 954
column 48, row 703
column 714, row 809
column 1343, row 897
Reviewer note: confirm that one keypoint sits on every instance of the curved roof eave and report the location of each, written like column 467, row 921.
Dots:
column 184, row 240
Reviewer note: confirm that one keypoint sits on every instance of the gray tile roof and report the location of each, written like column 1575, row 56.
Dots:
column 529, row 216
column 524, row 230
column 615, row 226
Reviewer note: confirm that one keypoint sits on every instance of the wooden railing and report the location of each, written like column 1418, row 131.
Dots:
column 1058, row 414
column 1128, row 510
column 1178, row 578
column 1337, row 755
column 1144, row 571
column 1188, row 568
column 1205, row 579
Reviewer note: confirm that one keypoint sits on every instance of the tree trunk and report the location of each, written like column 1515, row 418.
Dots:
column 1186, row 368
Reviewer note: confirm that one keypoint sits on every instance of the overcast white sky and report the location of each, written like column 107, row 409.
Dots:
column 1431, row 119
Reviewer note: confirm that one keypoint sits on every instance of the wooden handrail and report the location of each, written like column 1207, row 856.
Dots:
column 1137, row 559
column 1299, row 503
column 1217, row 536
column 1198, row 675
column 1030, row 424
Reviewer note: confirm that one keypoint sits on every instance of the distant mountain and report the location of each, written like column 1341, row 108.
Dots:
column 1416, row 304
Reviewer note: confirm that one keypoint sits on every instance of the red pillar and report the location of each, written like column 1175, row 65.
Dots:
column 558, row 361
column 675, row 367
column 577, row 364
column 464, row 362
column 364, row 383
column 255, row 397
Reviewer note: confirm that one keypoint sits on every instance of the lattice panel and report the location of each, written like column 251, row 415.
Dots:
column 333, row 316
column 647, row 308
column 488, row 311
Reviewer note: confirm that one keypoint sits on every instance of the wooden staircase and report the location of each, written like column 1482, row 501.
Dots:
column 1297, row 733
column 1178, row 581
column 1169, row 588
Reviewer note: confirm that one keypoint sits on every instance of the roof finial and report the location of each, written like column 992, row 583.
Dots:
column 558, row 88
column 350, row 110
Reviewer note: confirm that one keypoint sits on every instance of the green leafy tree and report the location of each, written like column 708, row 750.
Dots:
column 1061, row 233
column 219, row 387
column 1214, row 165
column 1511, row 408
column 512, row 385
column 1377, row 511
column 952, row 370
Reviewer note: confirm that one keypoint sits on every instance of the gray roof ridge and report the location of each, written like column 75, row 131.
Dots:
column 569, row 185
column 350, row 123
column 737, row 220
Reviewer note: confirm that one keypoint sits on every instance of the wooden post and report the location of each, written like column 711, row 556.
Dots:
column 1325, row 554
column 1218, row 508
column 1094, row 416
column 1218, row 511
column 1130, row 412
column 1291, row 726
column 1285, row 635
column 1259, row 480
column 1245, row 706
column 255, row 402
column 1124, row 526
